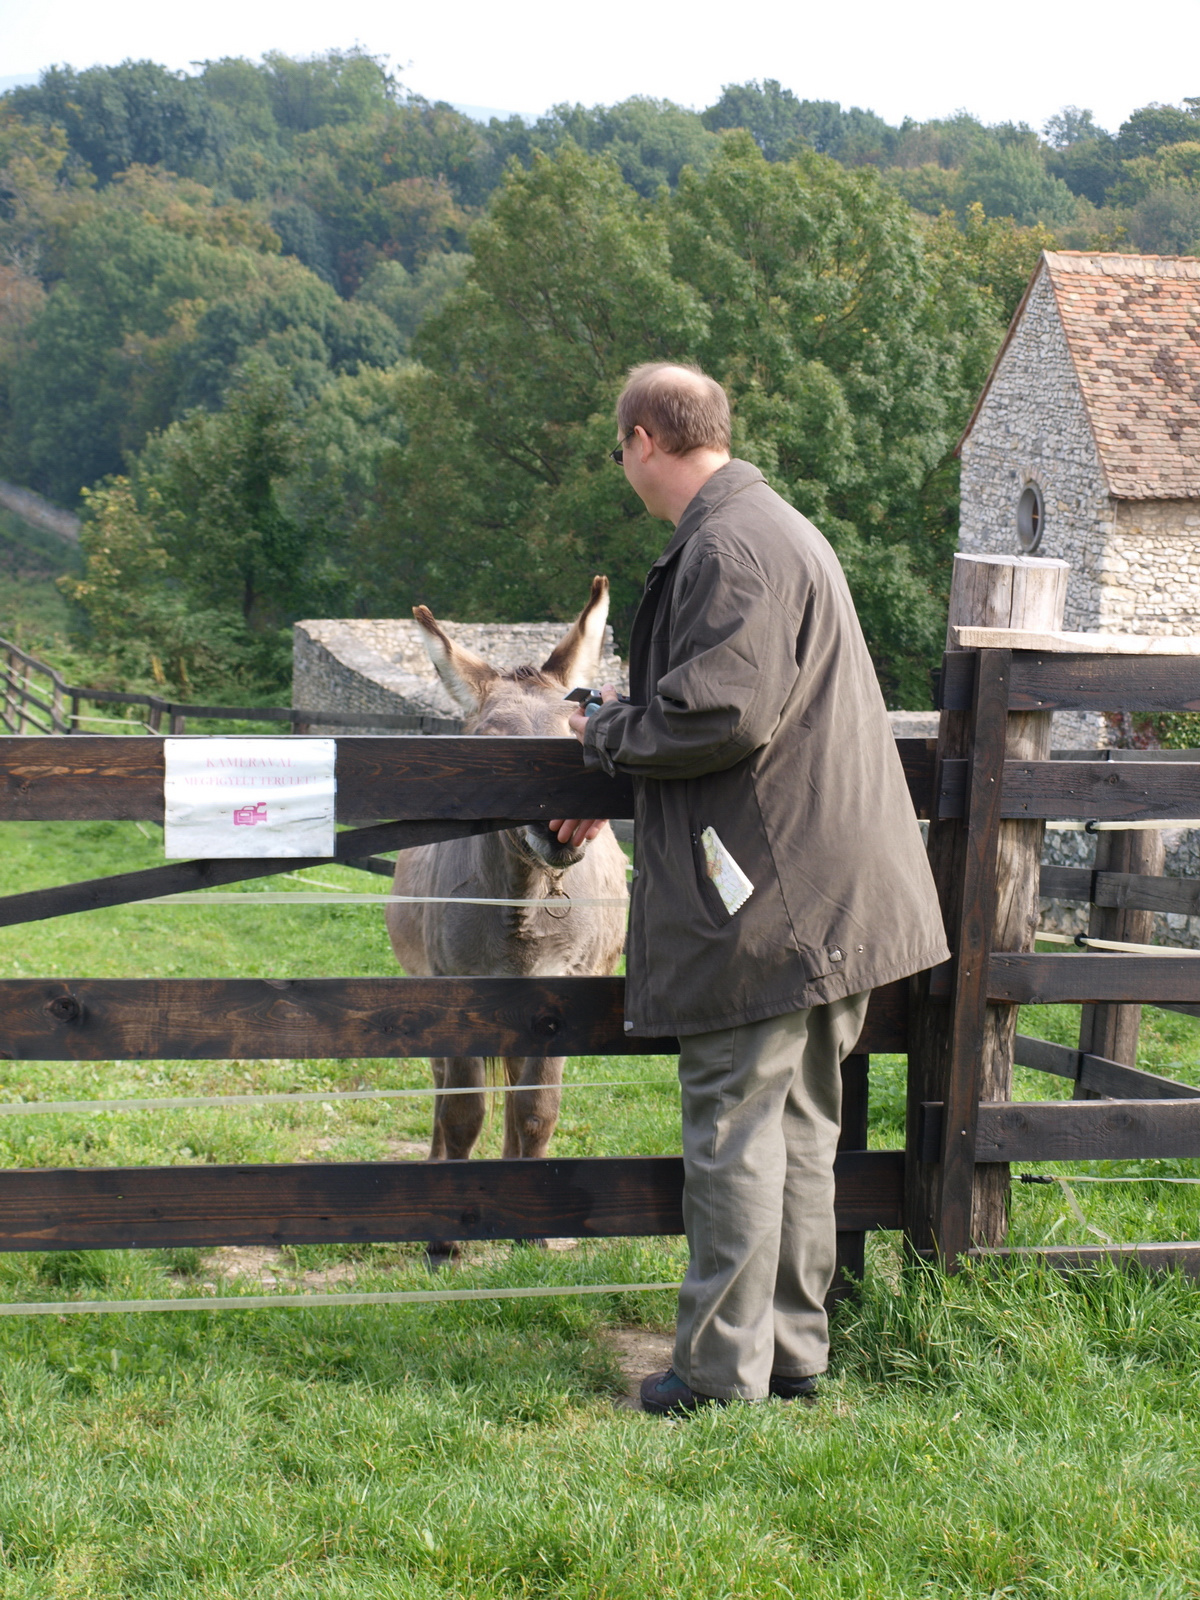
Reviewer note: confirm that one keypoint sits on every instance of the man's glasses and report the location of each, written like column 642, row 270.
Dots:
column 618, row 455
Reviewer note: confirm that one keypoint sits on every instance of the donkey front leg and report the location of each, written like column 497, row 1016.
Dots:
column 457, row 1121
column 457, row 1118
column 531, row 1114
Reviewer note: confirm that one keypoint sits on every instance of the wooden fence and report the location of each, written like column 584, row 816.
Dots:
column 438, row 788
column 959, row 1146
column 35, row 698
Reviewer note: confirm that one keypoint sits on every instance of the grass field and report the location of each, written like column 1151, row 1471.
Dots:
column 996, row 1434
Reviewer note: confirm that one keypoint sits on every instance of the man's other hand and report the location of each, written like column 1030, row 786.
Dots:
column 575, row 831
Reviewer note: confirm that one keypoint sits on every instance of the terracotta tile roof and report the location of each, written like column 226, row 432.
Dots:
column 1133, row 328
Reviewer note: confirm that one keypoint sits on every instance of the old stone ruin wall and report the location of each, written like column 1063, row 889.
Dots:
column 363, row 666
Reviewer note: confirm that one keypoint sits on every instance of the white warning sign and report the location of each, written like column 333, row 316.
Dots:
column 249, row 797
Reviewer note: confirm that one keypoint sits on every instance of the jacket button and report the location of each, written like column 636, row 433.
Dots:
column 835, row 955
column 629, row 1027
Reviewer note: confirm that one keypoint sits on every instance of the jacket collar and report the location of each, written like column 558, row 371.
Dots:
column 725, row 482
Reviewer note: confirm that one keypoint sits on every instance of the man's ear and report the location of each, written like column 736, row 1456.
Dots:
column 465, row 675
column 575, row 659
column 643, row 442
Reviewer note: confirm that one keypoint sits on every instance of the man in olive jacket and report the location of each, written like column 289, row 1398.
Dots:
column 781, row 876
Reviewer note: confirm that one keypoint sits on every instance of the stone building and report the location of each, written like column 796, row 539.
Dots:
column 1085, row 443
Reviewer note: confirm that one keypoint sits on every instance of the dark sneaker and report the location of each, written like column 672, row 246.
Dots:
column 666, row 1394
column 793, row 1388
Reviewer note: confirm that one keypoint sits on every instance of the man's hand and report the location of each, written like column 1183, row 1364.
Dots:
column 577, row 722
column 577, row 830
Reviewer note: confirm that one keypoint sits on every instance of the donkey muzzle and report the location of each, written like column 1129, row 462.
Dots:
column 545, row 845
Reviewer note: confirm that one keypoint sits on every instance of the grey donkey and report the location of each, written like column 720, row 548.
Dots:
column 525, row 863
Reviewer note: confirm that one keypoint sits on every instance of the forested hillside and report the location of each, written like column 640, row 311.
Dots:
column 298, row 342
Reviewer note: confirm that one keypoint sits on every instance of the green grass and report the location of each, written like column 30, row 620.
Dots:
column 1000, row 1433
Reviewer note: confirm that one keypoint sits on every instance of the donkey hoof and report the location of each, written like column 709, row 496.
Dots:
column 531, row 1244
column 442, row 1253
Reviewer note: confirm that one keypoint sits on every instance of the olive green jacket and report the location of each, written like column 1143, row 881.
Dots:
column 756, row 713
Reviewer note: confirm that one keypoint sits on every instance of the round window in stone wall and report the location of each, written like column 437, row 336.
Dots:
column 1031, row 518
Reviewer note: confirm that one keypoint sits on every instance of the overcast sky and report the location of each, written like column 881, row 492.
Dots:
column 1020, row 61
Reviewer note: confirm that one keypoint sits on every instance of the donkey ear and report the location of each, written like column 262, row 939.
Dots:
column 465, row 675
column 575, row 659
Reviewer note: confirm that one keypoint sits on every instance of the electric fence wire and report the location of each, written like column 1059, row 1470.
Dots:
column 46, row 1108
column 302, row 1301
column 1085, row 941
column 1094, row 826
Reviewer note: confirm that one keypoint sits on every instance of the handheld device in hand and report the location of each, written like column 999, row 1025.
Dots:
column 590, row 700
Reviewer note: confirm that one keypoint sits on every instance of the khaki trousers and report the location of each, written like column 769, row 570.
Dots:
column 762, row 1107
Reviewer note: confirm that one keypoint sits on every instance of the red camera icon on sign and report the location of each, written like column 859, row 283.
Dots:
column 247, row 816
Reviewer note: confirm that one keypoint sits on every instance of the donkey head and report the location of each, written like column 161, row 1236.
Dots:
column 526, row 702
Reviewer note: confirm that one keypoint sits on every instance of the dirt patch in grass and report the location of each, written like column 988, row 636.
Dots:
column 271, row 1268
column 638, row 1352
column 396, row 1149
column 268, row 1267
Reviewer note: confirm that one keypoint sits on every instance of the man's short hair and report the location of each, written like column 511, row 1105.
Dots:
column 680, row 407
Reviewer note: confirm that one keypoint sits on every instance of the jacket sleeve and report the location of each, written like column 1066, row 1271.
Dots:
column 732, row 666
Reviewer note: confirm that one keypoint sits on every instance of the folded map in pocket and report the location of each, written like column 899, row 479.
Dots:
column 731, row 882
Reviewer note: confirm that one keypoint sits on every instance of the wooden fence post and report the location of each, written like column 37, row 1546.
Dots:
column 997, row 592
column 1112, row 1031
column 851, row 1244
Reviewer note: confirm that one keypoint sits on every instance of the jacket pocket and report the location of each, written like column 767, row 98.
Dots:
column 724, row 887
column 723, row 872
column 710, row 900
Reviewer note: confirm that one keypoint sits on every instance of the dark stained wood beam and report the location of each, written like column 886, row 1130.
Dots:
column 464, row 778
column 1124, row 891
column 86, row 777
column 972, row 943
column 220, row 1019
column 378, row 1202
column 1097, row 1074
column 1090, row 977
column 1077, row 1130
column 1127, row 791
column 1044, row 682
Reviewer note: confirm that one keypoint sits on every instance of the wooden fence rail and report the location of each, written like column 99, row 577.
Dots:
column 218, row 1019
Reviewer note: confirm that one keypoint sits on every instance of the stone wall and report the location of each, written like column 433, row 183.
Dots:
column 381, row 665
column 1032, row 428
column 1152, row 568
